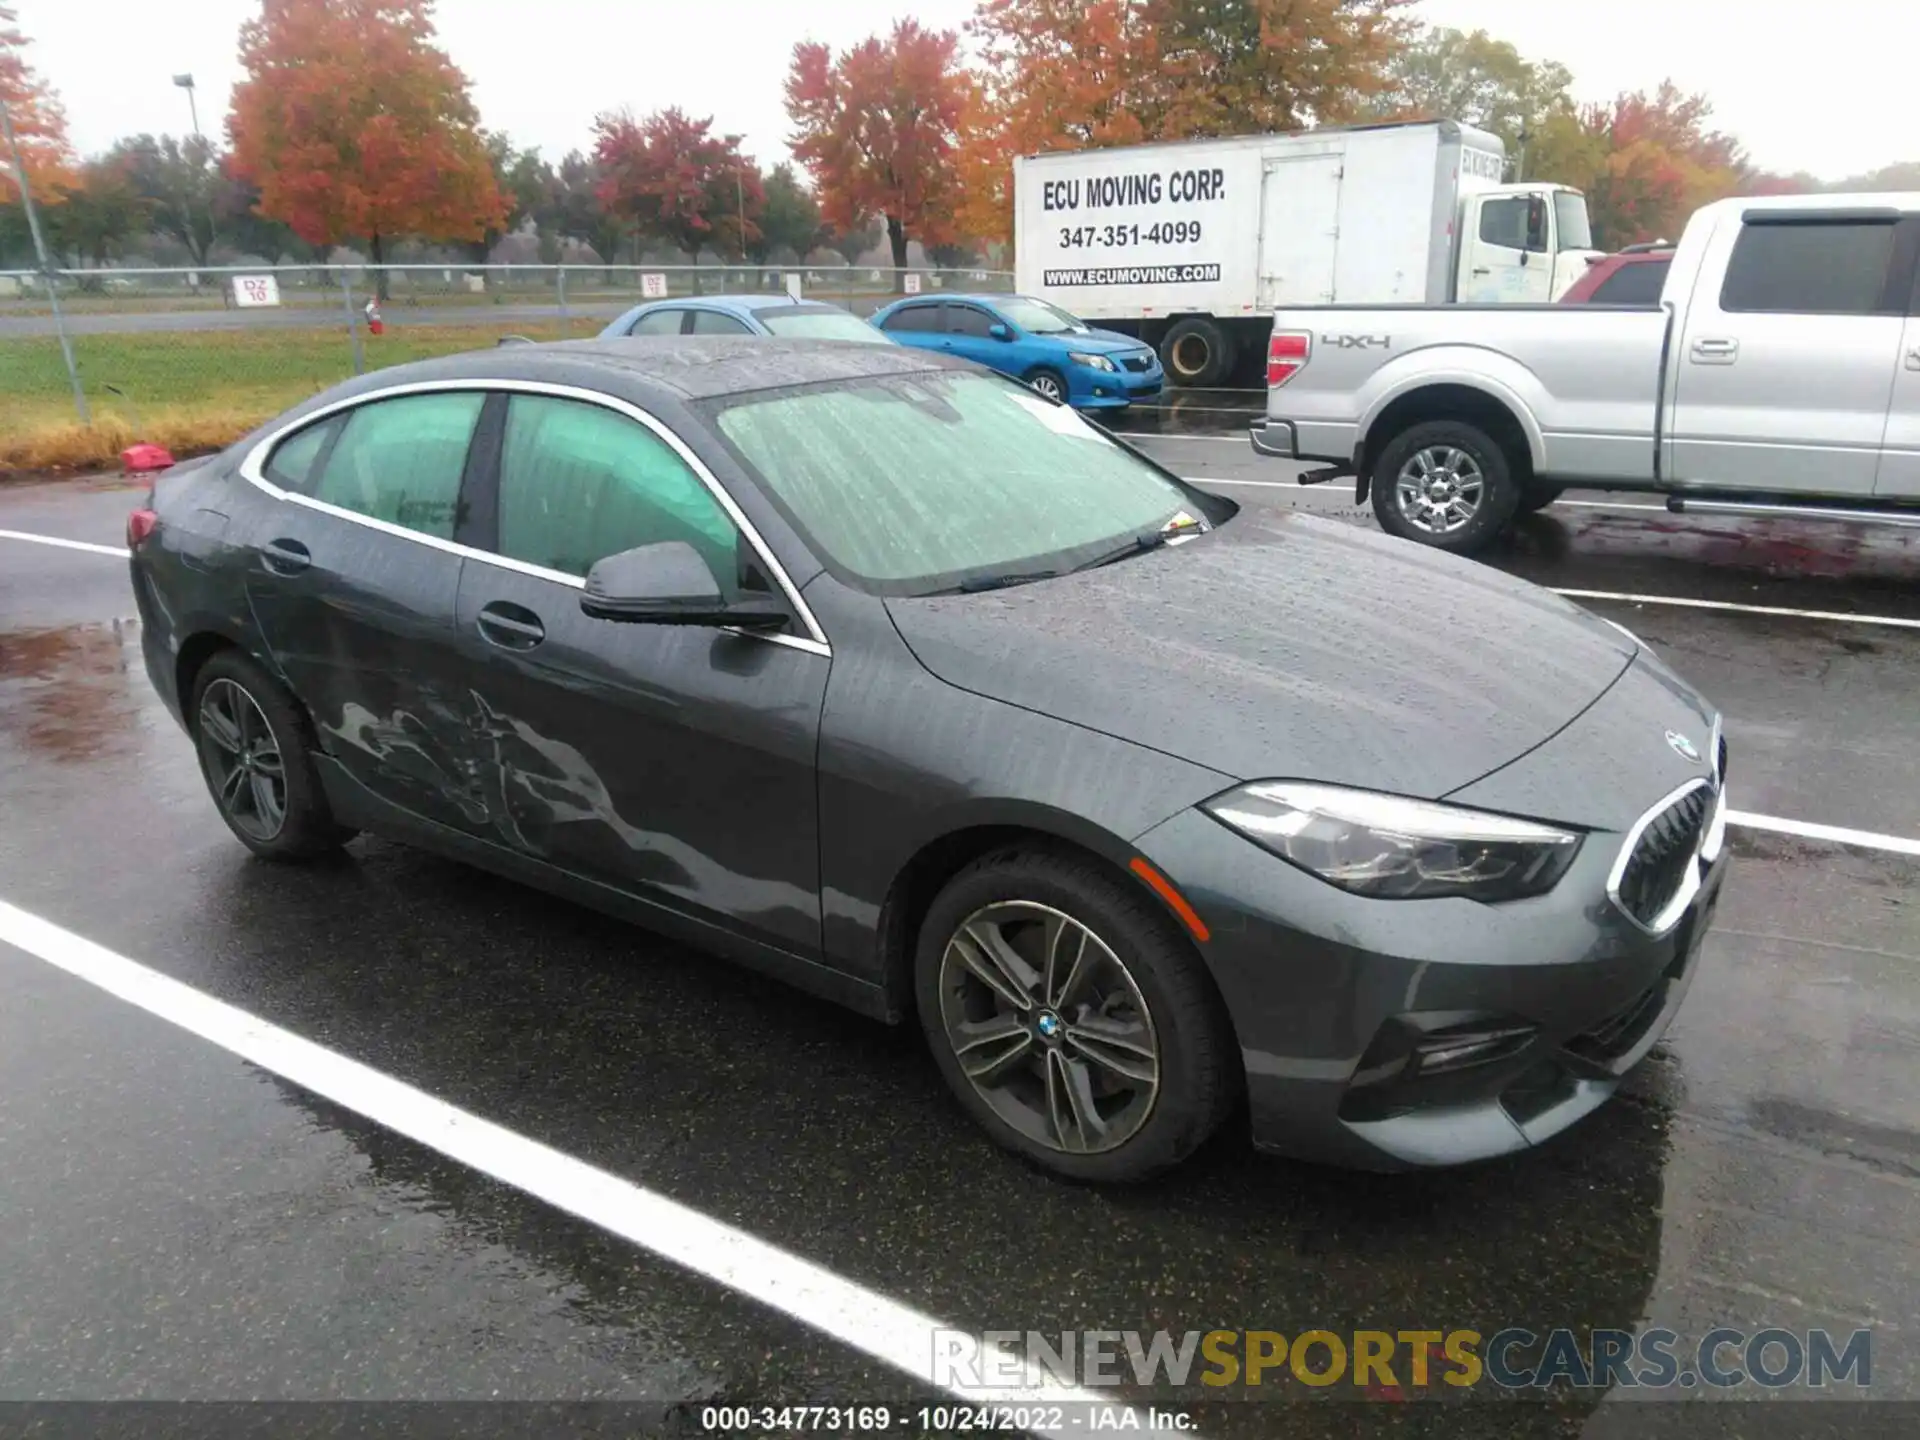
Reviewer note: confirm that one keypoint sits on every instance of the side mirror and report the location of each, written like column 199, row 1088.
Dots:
column 1536, row 223
column 999, row 331
column 669, row 584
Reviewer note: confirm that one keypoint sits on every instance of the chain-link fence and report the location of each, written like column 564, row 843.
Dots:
column 191, row 359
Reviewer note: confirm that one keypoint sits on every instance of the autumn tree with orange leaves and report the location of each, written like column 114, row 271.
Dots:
column 672, row 177
column 39, row 125
column 878, row 128
column 1072, row 74
column 355, row 125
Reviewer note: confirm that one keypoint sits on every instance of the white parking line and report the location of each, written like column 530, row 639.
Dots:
column 1344, row 498
column 1839, row 834
column 87, row 545
column 1897, row 621
column 867, row 1321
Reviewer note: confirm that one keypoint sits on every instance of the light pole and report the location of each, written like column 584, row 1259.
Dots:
column 40, row 254
column 185, row 82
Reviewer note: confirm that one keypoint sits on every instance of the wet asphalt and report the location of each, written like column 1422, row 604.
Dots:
column 180, row 1225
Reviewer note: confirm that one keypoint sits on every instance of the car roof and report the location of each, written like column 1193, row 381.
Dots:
column 743, row 304
column 644, row 369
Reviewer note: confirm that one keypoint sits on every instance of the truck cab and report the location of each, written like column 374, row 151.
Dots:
column 1521, row 244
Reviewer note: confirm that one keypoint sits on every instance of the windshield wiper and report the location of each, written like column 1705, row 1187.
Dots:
column 1140, row 544
column 978, row 583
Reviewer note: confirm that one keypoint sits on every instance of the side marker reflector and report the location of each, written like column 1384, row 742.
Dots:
column 1177, row 902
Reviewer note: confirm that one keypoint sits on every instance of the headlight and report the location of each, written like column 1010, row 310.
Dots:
column 1393, row 848
column 1092, row 362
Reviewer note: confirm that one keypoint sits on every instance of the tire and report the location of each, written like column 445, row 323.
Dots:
column 1049, row 383
column 1197, row 353
column 1141, row 986
column 1539, row 497
column 304, row 827
column 1456, row 453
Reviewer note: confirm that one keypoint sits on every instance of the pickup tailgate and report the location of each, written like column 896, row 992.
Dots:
column 1582, row 382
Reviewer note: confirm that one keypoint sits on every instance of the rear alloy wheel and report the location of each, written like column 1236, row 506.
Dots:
column 258, row 765
column 1446, row 484
column 1049, row 386
column 1069, row 1019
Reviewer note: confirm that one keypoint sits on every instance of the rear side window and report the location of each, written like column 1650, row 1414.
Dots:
column 1829, row 268
column 658, row 322
column 914, row 317
column 580, row 482
column 712, row 322
column 291, row 464
column 966, row 320
column 1634, row 283
column 401, row 461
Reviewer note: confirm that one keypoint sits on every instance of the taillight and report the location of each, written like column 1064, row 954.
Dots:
column 140, row 524
column 1287, row 351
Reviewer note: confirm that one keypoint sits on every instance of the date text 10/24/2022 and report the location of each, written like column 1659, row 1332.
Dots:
column 957, row 1419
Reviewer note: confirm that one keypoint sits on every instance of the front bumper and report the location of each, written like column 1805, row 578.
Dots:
column 1331, row 995
column 1113, row 390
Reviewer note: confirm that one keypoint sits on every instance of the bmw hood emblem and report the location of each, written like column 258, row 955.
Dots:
column 1682, row 746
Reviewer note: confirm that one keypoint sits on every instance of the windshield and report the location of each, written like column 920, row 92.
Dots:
column 1036, row 317
column 821, row 324
column 909, row 485
column 1570, row 213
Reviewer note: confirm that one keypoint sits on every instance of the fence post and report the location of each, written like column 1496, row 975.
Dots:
column 46, row 266
column 566, row 321
column 353, row 323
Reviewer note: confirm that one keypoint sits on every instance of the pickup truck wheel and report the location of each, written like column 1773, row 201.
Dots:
column 1197, row 353
column 1446, row 484
column 1538, row 497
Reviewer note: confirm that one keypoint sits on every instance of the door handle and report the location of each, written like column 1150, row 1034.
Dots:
column 1481, row 270
column 510, row 626
column 1715, row 351
column 285, row 557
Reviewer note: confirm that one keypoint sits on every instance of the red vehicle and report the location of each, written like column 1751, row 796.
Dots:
column 1633, row 276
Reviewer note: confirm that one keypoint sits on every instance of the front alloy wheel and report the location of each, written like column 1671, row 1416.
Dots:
column 1049, row 386
column 1439, row 489
column 243, row 762
column 1049, row 1027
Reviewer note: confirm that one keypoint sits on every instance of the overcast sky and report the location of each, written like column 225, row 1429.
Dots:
column 1832, row 95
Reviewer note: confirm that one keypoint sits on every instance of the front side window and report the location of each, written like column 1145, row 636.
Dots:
column 1820, row 268
column 1504, row 223
column 916, row 484
column 712, row 322
column 579, row 482
column 401, row 460
column 969, row 320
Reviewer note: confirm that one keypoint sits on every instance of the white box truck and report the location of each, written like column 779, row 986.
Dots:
column 1192, row 245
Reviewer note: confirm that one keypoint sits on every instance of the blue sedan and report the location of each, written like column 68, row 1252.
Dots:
column 1060, row 356
column 744, row 315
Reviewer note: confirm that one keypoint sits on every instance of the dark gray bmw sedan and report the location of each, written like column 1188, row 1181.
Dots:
column 882, row 675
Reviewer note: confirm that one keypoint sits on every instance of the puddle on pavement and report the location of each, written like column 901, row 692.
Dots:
column 65, row 694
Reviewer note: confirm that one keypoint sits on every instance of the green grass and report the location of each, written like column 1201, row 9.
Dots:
column 195, row 390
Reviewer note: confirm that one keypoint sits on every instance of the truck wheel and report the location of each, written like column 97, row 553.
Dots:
column 1197, row 353
column 1446, row 484
column 1538, row 497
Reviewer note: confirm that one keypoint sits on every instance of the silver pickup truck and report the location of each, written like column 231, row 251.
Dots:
column 1780, row 371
